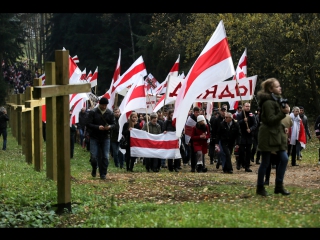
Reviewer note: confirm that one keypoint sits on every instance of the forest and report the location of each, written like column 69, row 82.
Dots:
column 280, row 45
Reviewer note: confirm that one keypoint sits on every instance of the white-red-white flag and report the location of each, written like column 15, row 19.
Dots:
column 76, row 108
column 213, row 65
column 173, row 72
column 74, row 72
column 94, row 78
column 89, row 76
column 241, row 72
column 134, row 99
column 144, row 144
column 75, row 58
column 43, row 79
column 209, row 110
column 131, row 76
column 174, row 85
column 182, row 75
column 83, row 75
column 111, row 93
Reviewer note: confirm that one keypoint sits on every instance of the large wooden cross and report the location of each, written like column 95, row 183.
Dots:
column 61, row 92
column 32, row 122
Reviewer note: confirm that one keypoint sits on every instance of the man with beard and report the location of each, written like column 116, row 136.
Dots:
column 248, row 124
column 200, row 135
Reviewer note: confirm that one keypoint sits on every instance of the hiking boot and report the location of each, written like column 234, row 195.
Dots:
column 261, row 191
column 248, row 170
column 280, row 189
column 94, row 172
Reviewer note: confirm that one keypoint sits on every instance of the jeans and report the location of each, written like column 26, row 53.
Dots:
column 281, row 168
column 81, row 133
column 99, row 151
column 227, row 150
column 4, row 134
column 118, row 157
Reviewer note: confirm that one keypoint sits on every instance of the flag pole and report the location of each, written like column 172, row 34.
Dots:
column 238, row 91
column 116, row 100
column 145, row 92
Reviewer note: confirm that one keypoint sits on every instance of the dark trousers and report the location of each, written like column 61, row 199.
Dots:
column 72, row 140
column 292, row 150
column 186, row 155
column 130, row 162
column 4, row 134
column 254, row 149
column 193, row 158
column 173, row 164
column 227, row 149
column 152, row 163
column 245, row 154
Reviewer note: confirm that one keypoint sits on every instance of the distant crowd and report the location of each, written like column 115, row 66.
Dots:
column 18, row 76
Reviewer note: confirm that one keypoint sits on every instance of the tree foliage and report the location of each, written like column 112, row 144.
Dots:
column 280, row 45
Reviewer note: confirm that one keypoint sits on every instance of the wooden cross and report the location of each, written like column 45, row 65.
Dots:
column 61, row 91
column 33, row 127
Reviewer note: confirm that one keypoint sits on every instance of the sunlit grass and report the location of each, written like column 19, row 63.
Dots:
column 149, row 200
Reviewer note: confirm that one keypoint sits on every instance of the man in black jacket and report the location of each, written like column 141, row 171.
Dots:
column 248, row 125
column 83, row 115
column 100, row 121
column 229, row 136
column 3, row 126
column 118, row 157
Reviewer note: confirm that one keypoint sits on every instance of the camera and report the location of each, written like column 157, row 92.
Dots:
column 281, row 101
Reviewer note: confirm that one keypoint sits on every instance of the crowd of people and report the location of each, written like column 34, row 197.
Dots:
column 18, row 77
column 267, row 137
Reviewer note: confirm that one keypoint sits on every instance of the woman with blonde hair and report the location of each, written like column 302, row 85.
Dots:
column 131, row 123
column 272, row 137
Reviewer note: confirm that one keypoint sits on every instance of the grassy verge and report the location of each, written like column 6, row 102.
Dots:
column 149, row 200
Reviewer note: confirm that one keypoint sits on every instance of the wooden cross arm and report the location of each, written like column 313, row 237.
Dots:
column 60, row 90
column 14, row 105
column 35, row 103
column 22, row 108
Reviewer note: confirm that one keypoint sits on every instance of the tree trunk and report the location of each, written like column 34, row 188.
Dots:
column 131, row 33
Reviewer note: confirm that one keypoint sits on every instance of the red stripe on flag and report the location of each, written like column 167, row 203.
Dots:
column 175, row 67
column 137, row 92
column 72, row 67
column 139, row 68
column 147, row 143
column 244, row 63
column 188, row 130
column 213, row 56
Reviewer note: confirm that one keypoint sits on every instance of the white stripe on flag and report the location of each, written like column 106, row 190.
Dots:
column 143, row 151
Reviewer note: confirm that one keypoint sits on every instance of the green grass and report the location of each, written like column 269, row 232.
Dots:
column 150, row 200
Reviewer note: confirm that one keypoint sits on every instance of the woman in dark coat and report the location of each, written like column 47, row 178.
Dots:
column 132, row 123
column 272, row 137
